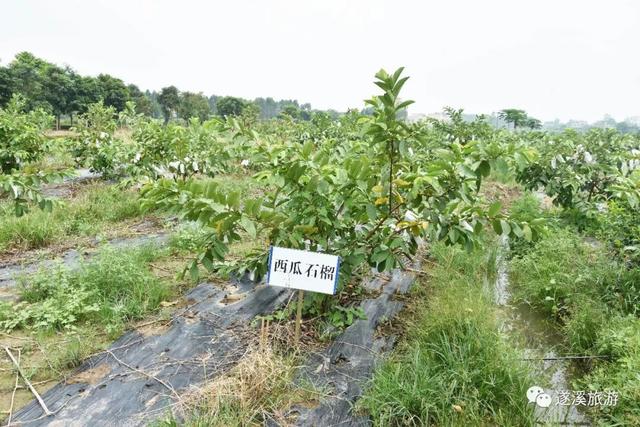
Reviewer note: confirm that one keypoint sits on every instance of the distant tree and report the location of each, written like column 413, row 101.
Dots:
column 6, row 86
column 27, row 72
column 87, row 92
column 194, row 105
column 213, row 104
column 532, row 123
column 273, row 108
column 607, row 122
column 230, row 106
column 59, row 91
column 511, row 115
column 291, row 111
column 156, row 108
column 114, row 92
column 334, row 114
column 305, row 111
column 268, row 107
column 143, row 103
column 169, row 100
column 62, row 91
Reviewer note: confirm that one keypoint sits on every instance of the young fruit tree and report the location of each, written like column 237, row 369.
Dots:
column 370, row 199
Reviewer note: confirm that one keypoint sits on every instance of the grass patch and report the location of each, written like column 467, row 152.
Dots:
column 113, row 288
column 120, row 286
column 619, row 338
column 95, row 208
column 453, row 367
column 563, row 273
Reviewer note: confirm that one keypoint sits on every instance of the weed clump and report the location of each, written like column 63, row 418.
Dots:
column 110, row 290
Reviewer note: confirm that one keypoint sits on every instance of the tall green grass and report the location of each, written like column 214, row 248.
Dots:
column 453, row 367
column 92, row 211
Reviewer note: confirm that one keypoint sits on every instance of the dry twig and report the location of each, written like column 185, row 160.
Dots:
column 33, row 390
column 13, row 394
column 146, row 374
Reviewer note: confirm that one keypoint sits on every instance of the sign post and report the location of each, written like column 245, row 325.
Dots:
column 305, row 271
column 299, row 315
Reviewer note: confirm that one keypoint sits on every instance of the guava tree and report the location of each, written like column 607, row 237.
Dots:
column 22, row 141
column 579, row 171
column 177, row 151
column 95, row 143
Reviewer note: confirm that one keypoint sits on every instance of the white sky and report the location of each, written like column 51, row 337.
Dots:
column 553, row 58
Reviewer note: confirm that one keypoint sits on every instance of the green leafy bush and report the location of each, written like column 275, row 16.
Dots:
column 95, row 144
column 620, row 227
column 22, row 141
column 582, row 171
column 22, row 137
column 368, row 199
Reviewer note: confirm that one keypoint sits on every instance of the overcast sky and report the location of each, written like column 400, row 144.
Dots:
column 554, row 58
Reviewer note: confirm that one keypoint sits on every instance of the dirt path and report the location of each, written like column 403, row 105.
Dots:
column 67, row 187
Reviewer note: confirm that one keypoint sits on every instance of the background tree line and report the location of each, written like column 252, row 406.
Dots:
column 65, row 93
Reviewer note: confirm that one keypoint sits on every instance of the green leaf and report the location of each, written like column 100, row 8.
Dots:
column 494, row 209
column 249, row 226
column 516, row 229
column 404, row 104
column 506, row 229
column 466, row 171
column 453, row 235
column 194, row 272
column 484, row 169
column 307, row 149
column 372, row 212
column 206, row 261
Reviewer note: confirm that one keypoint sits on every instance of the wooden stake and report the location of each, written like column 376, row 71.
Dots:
column 299, row 316
column 24, row 378
column 263, row 339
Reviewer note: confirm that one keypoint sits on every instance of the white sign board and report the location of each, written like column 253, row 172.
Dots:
column 308, row 271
